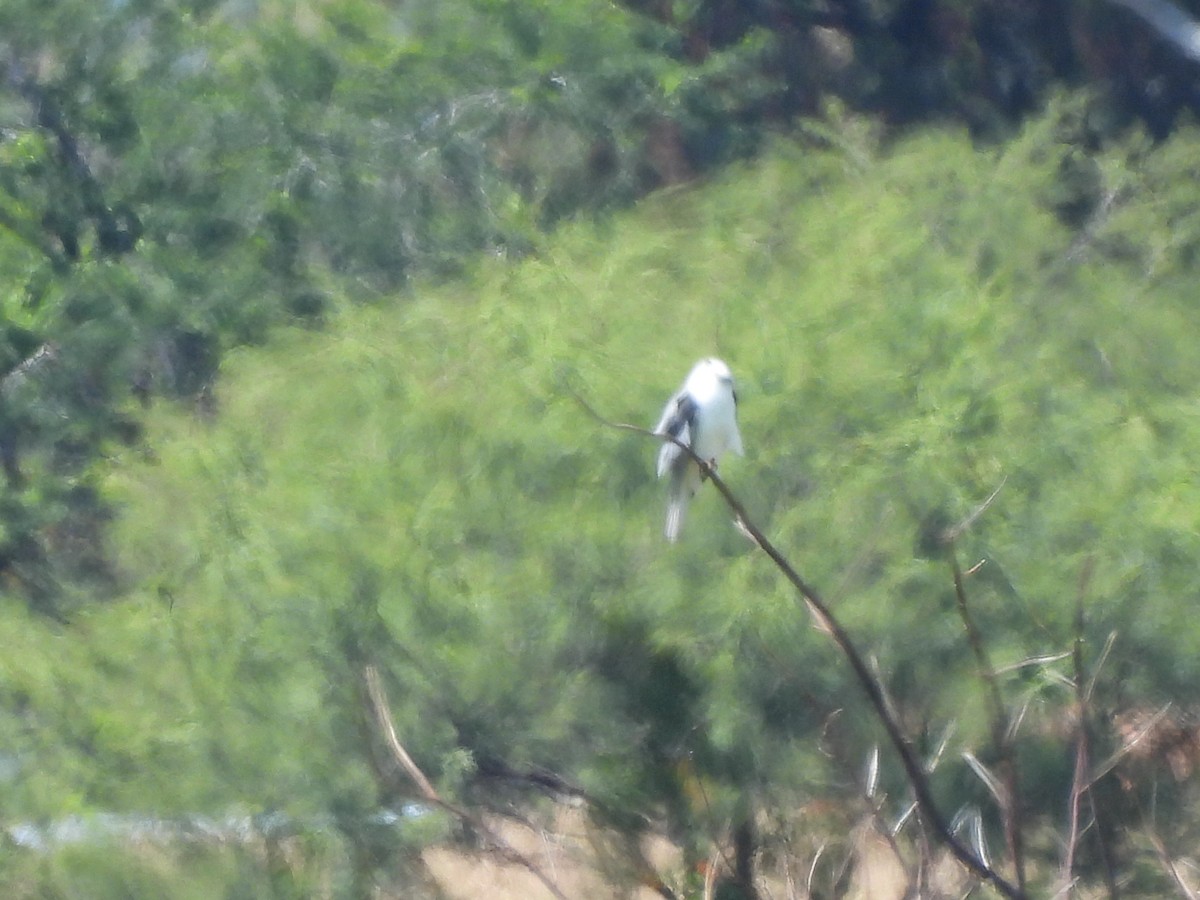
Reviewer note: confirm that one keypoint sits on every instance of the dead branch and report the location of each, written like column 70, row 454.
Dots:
column 914, row 772
column 427, row 791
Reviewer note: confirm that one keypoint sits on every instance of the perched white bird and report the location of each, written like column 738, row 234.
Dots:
column 703, row 416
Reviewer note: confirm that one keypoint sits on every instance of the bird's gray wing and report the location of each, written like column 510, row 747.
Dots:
column 678, row 421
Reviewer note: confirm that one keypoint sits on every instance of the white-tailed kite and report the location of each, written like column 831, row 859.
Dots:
column 703, row 416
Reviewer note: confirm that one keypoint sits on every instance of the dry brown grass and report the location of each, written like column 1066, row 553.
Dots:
column 581, row 861
column 591, row 866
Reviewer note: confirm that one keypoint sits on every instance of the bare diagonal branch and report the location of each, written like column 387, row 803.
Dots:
column 383, row 716
column 870, row 684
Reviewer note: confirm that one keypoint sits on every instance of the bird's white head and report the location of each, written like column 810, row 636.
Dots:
column 717, row 368
column 707, row 375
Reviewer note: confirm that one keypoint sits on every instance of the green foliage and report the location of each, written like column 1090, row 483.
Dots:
column 177, row 179
column 913, row 326
column 418, row 489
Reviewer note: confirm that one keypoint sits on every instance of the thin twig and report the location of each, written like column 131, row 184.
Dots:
column 1080, row 779
column 1078, row 790
column 1033, row 661
column 952, row 534
column 384, row 717
column 1009, row 798
column 987, row 673
column 1128, row 746
column 922, row 791
column 875, row 803
column 1084, row 780
column 1168, row 864
column 812, row 869
column 1108, row 645
column 710, row 872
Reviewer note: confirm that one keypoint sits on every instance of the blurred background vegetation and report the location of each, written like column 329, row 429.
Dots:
column 297, row 299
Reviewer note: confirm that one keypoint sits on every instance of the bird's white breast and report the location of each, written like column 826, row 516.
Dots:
column 716, row 417
column 718, row 427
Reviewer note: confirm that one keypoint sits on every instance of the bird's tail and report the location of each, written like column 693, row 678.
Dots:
column 676, row 507
column 685, row 481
